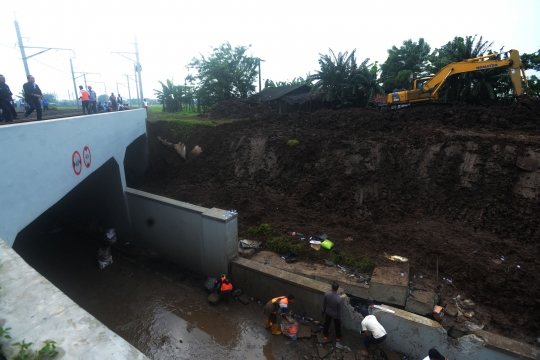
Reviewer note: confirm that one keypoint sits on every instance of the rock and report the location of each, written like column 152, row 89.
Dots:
column 322, row 352
column 244, row 299
column 306, row 357
column 390, row 355
column 314, row 327
column 527, row 164
column 451, row 310
column 320, row 338
column 348, row 356
column 214, row 299
column 304, row 331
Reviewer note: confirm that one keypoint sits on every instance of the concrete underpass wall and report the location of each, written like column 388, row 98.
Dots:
column 407, row 332
column 194, row 237
column 37, row 160
column 51, row 315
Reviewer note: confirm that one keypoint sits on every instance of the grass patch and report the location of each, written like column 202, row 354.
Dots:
column 345, row 258
column 282, row 244
column 293, row 143
column 263, row 229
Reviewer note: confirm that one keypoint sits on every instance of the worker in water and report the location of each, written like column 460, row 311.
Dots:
column 435, row 355
column 218, row 282
column 373, row 331
column 279, row 304
column 225, row 290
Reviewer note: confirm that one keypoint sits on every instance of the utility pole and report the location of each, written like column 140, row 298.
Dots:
column 74, row 85
column 139, row 68
column 137, row 86
column 86, row 87
column 129, row 89
column 23, row 54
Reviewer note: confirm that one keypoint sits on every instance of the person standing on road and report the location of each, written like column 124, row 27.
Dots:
column 145, row 105
column 6, row 102
column 85, row 98
column 332, row 310
column 119, row 100
column 32, row 96
column 112, row 98
column 93, row 99
column 45, row 104
column 435, row 355
column 281, row 304
column 373, row 331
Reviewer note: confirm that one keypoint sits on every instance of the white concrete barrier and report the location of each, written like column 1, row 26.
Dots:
column 42, row 161
column 51, row 315
column 193, row 237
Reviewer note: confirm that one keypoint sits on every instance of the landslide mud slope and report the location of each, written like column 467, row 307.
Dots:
column 421, row 183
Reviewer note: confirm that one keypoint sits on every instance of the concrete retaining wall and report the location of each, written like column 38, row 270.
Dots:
column 51, row 315
column 193, row 237
column 407, row 332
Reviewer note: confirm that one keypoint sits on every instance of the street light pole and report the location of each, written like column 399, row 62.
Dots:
column 129, row 89
column 137, row 86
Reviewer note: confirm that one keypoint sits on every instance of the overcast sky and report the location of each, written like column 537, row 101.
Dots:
column 289, row 35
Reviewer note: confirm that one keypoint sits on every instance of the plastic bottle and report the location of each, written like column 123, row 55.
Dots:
column 380, row 308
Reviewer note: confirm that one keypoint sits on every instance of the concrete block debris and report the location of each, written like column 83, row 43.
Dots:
column 322, row 352
column 214, row 299
column 304, row 331
column 244, row 299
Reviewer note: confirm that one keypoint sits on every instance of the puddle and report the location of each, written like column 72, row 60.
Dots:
column 163, row 318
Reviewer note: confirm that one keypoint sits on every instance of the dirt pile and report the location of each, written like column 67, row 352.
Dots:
column 424, row 183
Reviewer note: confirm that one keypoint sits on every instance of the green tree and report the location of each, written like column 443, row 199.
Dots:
column 170, row 96
column 52, row 98
column 411, row 57
column 343, row 82
column 531, row 61
column 296, row 81
column 534, row 86
column 104, row 98
column 226, row 73
column 475, row 86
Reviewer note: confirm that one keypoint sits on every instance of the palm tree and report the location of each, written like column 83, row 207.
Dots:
column 170, row 96
column 459, row 87
column 337, row 79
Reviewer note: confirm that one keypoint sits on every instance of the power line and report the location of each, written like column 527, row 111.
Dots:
column 65, row 72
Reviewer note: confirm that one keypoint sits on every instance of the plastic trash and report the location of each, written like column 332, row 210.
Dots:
column 472, row 326
column 327, row 244
column 237, row 292
column 339, row 346
column 209, row 284
column 290, row 329
column 398, row 258
column 110, row 236
column 328, row 262
column 104, row 257
column 294, row 233
column 316, row 242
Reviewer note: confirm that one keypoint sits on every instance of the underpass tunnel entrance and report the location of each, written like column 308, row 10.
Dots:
column 96, row 204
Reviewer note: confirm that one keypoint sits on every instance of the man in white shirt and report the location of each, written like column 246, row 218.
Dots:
column 373, row 331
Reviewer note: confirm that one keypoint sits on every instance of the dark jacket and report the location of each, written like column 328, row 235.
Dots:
column 29, row 90
column 5, row 93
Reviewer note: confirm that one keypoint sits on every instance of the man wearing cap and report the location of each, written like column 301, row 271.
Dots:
column 435, row 355
column 373, row 331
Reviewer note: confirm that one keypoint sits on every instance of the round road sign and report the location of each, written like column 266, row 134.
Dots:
column 76, row 162
column 87, row 156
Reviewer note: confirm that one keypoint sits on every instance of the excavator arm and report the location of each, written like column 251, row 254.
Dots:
column 428, row 91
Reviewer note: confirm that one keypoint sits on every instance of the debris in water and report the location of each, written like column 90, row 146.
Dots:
column 502, row 258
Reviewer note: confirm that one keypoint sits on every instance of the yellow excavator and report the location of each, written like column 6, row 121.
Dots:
column 426, row 89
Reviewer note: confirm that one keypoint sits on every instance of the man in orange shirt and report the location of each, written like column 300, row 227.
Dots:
column 85, row 98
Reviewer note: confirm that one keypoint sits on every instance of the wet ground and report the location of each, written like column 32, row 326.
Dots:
column 153, row 304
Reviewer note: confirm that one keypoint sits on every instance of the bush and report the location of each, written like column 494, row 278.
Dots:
column 263, row 229
column 293, row 143
column 282, row 244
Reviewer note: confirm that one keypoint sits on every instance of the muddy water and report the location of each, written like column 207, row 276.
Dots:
column 150, row 303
